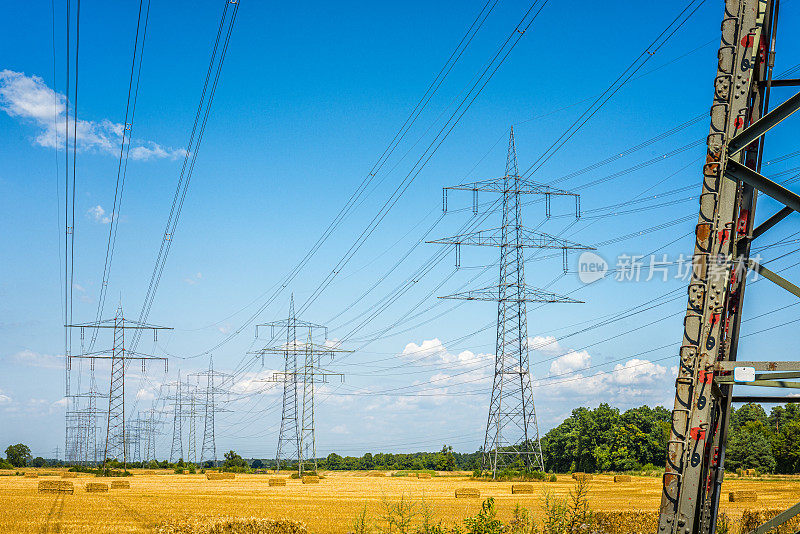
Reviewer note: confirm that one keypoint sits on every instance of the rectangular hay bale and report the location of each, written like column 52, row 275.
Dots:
column 622, row 478
column 310, row 479
column 277, row 481
column 466, row 493
column 220, row 476
column 69, row 474
column 376, row 474
column 120, row 484
column 583, row 477
column 31, row 475
column 423, row 475
column 743, row 496
column 521, row 488
column 56, row 486
column 96, row 487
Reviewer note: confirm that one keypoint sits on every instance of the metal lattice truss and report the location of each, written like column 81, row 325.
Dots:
column 213, row 380
column 512, row 432
column 117, row 440
column 511, row 185
column 297, row 435
column 526, row 294
column 708, row 363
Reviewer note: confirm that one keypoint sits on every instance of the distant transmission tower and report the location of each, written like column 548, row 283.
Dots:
column 512, row 432
column 116, row 437
column 297, row 435
column 213, row 379
column 177, row 421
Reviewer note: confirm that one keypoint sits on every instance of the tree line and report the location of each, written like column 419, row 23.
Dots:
column 605, row 439
column 589, row 440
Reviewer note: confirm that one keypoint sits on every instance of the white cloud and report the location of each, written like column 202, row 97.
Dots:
column 339, row 429
column 28, row 98
column 433, row 349
column 35, row 359
column 258, row 382
column 145, row 394
column 194, row 279
column 570, row 362
column 98, row 214
column 4, row 399
column 548, row 345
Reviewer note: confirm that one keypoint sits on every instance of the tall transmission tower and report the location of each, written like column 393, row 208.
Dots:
column 120, row 357
column 191, row 402
column 512, row 432
column 177, row 420
column 149, row 435
column 708, row 359
column 213, row 380
column 297, row 438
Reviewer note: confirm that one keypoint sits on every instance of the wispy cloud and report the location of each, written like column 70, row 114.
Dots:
column 35, row 359
column 98, row 214
column 194, row 279
column 29, row 99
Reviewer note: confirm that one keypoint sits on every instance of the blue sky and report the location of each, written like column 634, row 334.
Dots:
column 309, row 97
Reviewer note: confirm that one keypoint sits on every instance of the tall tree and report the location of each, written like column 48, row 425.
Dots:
column 18, row 455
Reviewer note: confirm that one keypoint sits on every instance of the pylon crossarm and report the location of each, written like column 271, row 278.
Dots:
column 298, row 348
column 774, row 277
column 493, row 294
column 758, row 366
column 764, row 124
column 519, row 185
column 737, row 171
column 123, row 323
column 494, row 238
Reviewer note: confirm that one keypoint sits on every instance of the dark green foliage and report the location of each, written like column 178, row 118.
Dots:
column 18, row 455
column 234, row 462
column 749, row 448
column 605, row 440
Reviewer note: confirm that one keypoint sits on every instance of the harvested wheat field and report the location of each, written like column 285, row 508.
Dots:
column 327, row 507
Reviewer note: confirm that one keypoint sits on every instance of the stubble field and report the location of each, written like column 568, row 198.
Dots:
column 327, row 507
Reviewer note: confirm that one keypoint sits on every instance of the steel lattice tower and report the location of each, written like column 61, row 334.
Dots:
column 177, row 421
column 208, row 451
column 709, row 366
column 116, row 443
column 297, row 434
column 192, row 402
column 512, row 432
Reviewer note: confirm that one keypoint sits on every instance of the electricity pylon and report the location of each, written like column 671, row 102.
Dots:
column 116, row 437
column 213, row 379
column 177, row 420
column 297, row 432
column 512, row 432
column 708, row 367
